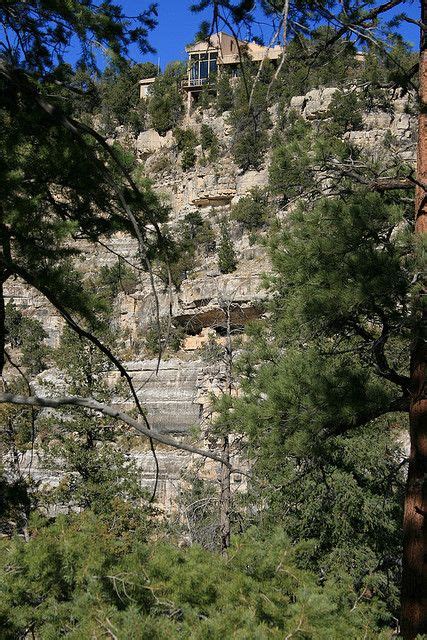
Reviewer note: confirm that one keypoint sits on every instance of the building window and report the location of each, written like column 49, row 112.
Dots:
column 204, row 66
column 213, row 62
column 194, row 66
column 201, row 66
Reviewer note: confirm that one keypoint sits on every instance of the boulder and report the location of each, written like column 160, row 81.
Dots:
column 318, row 102
column 298, row 103
column 150, row 141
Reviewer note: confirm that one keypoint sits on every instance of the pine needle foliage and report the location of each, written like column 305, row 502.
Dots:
column 166, row 106
column 227, row 261
column 323, row 381
column 84, row 575
column 88, row 450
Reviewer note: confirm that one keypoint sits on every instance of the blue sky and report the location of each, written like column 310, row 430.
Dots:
column 177, row 26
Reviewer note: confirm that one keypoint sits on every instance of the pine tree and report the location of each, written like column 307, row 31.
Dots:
column 224, row 93
column 166, row 106
column 293, row 16
column 227, row 261
column 250, row 121
column 46, row 152
column 414, row 583
column 86, row 576
column 326, row 388
column 89, row 451
column 119, row 95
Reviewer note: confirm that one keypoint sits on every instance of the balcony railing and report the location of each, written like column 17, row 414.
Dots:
column 194, row 82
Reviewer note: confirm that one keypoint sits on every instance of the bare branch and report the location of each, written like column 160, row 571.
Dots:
column 265, row 56
column 33, row 412
column 78, row 129
column 107, row 410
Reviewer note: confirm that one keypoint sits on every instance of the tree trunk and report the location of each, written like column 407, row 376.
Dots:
column 4, row 275
column 2, row 328
column 225, row 499
column 414, row 578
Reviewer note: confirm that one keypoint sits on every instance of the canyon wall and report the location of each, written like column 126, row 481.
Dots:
column 177, row 396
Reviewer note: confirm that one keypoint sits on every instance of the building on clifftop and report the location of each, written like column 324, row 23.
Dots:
column 221, row 51
column 144, row 87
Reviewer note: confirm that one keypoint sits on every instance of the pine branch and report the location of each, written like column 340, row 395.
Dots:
column 399, row 404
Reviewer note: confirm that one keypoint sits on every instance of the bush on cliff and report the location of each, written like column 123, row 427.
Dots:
column 166, row 106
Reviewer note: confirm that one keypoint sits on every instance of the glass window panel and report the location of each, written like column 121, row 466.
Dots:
column 212, row 66
column 195, row 70
column 204, row 69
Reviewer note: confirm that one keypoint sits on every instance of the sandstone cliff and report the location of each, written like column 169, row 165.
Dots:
column 177, row 397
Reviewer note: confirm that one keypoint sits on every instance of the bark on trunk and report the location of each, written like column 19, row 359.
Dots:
column 414, row 578
column 2, row 329
column 225, row 499
column 4, row 274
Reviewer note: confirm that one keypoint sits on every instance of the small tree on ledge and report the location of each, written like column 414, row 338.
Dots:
column 227, row 260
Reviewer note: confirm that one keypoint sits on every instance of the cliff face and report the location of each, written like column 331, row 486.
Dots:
column 177, row 396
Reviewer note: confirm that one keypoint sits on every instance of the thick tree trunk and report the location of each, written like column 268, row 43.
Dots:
column 414, row 579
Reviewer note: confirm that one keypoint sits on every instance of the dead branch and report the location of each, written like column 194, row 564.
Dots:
column 78, row 129
column 116, row 414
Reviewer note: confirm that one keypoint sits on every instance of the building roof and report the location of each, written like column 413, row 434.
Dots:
column 146, row 81
column 214, row 42
column 229, row 51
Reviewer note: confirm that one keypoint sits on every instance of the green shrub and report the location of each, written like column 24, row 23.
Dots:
column 169, row 337
column 85, row 576
column 290, row 171
column 185, row 138
column 249, row 139
column 28, row 335
column 209, row 142
column 119, row 96
column 252, row 209
column 310, row 64
column 207, row 137
column 291, row 127
column 345, row 113
column 186, row 142
column 224, row 93
column 193, row 235
column 188, row 159
column 250, row 121
column 197, row 230
column 207, row 95
column 118, row 278
column 227, row 260
column 166, row 106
